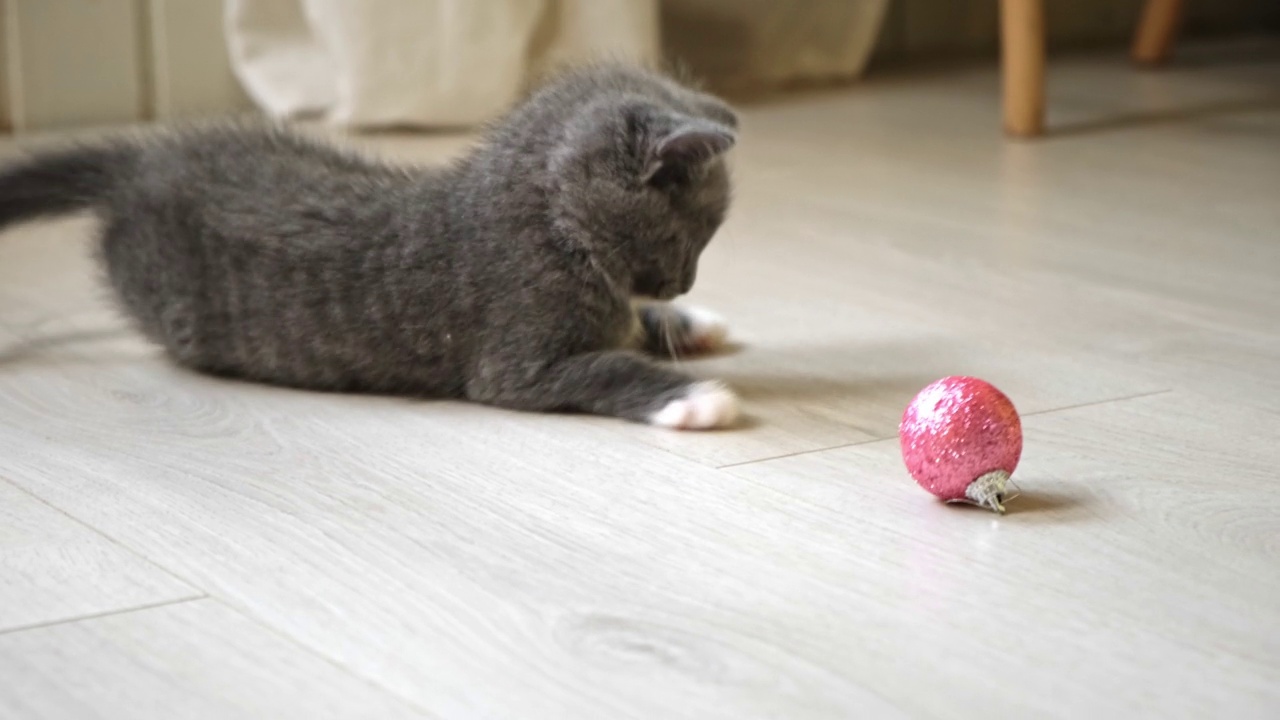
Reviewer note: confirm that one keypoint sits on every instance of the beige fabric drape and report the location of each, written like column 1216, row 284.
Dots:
column 740, row 44
column 440, row 63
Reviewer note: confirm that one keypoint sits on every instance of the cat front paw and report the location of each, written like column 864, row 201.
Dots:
column 676, row 331
column 704, row 330
column 705, row 406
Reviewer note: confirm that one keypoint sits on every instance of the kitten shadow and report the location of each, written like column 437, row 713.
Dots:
column 772, row 387
column 744, row 422
column 55, row 346
column 888, row 373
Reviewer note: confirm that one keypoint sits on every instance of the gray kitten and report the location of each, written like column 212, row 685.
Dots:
column 509, row 277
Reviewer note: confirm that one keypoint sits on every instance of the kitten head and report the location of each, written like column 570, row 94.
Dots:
column 639, row 174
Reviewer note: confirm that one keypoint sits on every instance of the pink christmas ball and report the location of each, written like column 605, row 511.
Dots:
column 961, row 439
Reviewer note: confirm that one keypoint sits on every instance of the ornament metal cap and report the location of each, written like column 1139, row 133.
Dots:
column 988, row 490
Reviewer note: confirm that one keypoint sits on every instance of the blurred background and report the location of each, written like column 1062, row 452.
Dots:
column 454, row 63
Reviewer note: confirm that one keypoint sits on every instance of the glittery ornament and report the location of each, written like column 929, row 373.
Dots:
column 961, row 439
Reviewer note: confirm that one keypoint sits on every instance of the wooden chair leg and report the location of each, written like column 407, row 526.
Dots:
column 1022, row 51
column 1157, row 30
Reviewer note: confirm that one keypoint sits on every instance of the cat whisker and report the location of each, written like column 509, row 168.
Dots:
column 669, row 336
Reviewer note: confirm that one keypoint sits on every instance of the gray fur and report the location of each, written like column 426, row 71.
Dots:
column 505, row 278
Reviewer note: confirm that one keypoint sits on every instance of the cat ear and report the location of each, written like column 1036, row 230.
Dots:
column 716, row 109
column 688, row 143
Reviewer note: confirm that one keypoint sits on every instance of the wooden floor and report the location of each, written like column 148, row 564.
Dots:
column 178, row 546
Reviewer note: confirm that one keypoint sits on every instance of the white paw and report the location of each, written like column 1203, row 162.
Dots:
column 707, row 328
column 705, row 406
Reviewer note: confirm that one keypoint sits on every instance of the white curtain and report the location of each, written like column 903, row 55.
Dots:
column 441, row 63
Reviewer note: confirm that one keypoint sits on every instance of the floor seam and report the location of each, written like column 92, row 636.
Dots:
column 319, row 654
column 857, row 443
column 1093, row 403
column 102, row 534
column 103, row 614
column 798, row 453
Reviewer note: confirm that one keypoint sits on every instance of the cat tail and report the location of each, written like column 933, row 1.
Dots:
column 60, row 182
